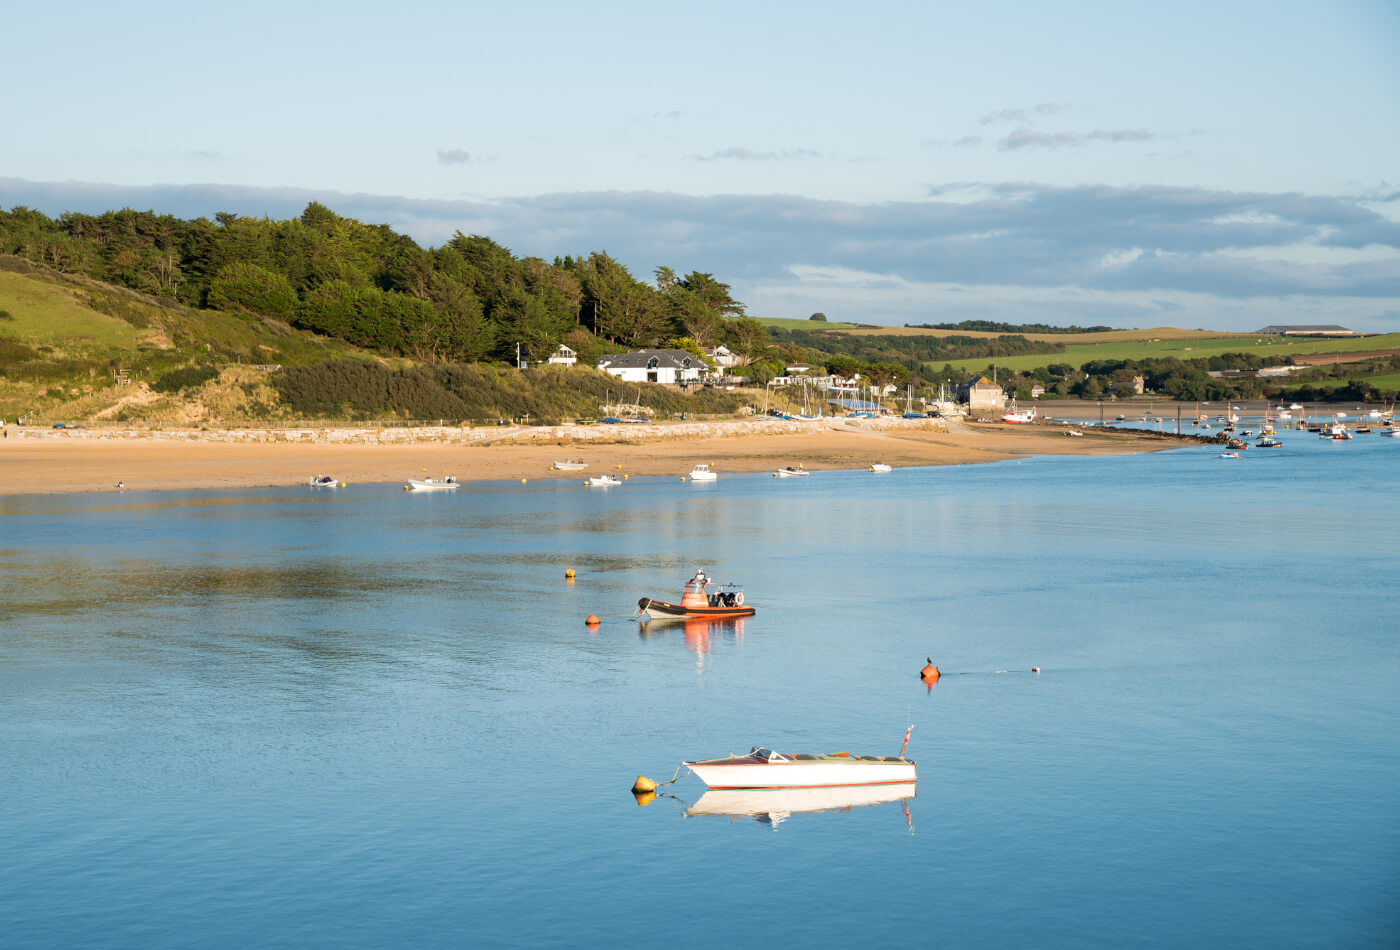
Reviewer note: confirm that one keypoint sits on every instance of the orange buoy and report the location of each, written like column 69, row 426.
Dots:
column 592, row 620
column 929, row 672
column 568, row 572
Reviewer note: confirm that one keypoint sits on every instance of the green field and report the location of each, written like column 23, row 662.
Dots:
column 1383, row 381
column 49, row 313
column 1076, row 354
column 788, row 323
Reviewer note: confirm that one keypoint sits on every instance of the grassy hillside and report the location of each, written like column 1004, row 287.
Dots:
column 64, row 339
column 786, row 323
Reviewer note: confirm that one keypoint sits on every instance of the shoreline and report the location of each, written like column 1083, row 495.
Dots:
column 62, row 461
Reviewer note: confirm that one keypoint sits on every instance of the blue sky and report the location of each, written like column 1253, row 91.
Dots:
column 1210, row 165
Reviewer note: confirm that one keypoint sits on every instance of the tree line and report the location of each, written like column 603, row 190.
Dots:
column 468, row 300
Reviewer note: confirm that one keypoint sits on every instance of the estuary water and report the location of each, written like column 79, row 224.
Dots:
column 366, row 718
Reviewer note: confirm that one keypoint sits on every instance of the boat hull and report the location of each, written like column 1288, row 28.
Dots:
column 828, row 773
column 661, row 610
column 415, row 485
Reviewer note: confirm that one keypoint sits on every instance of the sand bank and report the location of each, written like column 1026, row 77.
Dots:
column 56, row 461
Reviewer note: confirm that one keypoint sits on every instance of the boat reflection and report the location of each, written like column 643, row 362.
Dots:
column 700, row 633
column 774, row 806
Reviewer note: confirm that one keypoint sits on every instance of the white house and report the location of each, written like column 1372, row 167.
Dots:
column 721, row 356
column 677, row 367
column 563, row 356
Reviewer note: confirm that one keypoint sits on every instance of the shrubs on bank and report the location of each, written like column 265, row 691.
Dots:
column 475, row 392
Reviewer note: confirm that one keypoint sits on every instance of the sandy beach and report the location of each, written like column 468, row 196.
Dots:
column 43, row 461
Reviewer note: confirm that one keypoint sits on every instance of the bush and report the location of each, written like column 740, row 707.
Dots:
column 185, row 378
column 249, row 288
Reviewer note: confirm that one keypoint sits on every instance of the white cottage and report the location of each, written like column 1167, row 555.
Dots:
column 677, row 367
column 563, row 356
column 720, row 356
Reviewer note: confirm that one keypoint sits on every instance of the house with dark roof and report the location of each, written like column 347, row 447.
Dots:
column 676, row 367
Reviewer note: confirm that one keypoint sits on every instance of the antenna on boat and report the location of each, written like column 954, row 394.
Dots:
column 904, row 747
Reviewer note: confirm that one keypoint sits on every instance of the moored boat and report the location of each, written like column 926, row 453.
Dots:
column 701, row 598
column 789, row 472
column 703, row 473
column 572, row 465
column 432, row 484
column 1015, row 416
column 322, row 481
column 764, row 768
column 878, row 467
column 602, row 481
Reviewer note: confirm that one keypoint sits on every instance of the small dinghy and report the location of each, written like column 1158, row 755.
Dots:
column 878, row 467
column 789, row 472
column 603, row 481
column 322, row 481
column 432, row 484
column 702, row 598
column 572, row 465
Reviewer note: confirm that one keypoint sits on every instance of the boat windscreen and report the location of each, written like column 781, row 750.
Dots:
column 761, row 753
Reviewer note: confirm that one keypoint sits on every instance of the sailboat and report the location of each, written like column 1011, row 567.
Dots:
column 909, row 412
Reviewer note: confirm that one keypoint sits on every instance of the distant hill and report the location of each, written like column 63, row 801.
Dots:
column 73, row 349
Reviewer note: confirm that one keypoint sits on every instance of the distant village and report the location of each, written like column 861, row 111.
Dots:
column 683, row 369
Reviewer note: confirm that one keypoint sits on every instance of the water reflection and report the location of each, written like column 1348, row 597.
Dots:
column 774, row 806
column 699, row 633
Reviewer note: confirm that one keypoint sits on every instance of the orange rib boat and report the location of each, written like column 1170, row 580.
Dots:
column 702, row 598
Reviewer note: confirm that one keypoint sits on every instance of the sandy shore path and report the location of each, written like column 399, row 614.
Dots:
column 42, row 461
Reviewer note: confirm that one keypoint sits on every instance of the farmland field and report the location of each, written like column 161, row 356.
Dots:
column 1076, row 354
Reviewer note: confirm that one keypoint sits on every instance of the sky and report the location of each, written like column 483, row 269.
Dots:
column 1201, row 165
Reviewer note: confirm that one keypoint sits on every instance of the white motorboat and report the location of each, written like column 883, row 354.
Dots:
column 572, row 465
column 789, row 472
column 878, row 467
column 763, row 768
column 774, row 805
column 603, row 481
column 432, row 484
column 322, row 481
column 703, row 473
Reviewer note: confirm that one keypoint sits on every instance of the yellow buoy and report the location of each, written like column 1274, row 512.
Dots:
column 644, row 798
column 342, row 484
column 619, row 468
column 643, row 784
column 522, row 481
column 569, row 572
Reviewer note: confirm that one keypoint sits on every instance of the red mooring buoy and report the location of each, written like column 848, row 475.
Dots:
column 930, row 672
column 592, row 620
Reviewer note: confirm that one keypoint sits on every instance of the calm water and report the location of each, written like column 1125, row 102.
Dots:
column 365, row 718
